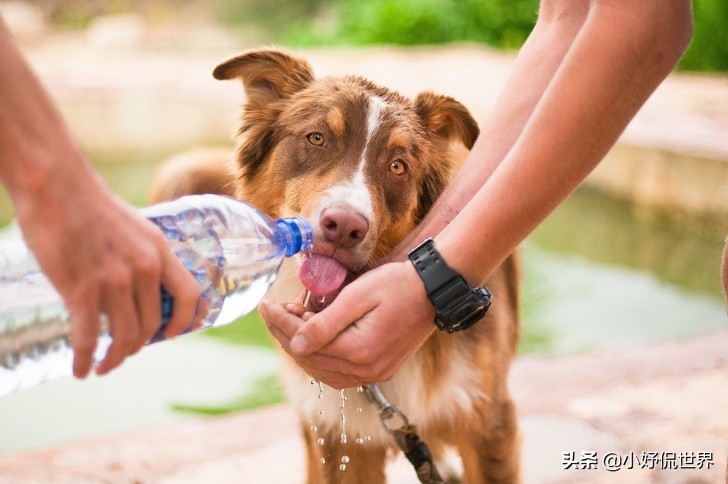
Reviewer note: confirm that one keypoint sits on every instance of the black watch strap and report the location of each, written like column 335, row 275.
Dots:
column 458, row 305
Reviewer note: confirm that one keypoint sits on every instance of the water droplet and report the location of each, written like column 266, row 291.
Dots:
column 360, row 389
column 323, row 461
column 345, row 459
column 342, row 467
column 367, row 438
column 321, row 412
column 314, row 428
column 359, row 441
column 320, row 441
column 342, row 418
column 313, row 382
column 305, row 301
column 359, row 410
column 321, row 299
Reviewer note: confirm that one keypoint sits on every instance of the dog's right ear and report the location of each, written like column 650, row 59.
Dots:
column 446, row 118
column 267, row 74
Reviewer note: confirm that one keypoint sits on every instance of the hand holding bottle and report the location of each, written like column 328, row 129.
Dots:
column 230, row 254
column 103, row 258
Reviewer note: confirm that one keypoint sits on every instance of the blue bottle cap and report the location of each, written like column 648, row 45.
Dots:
column 295, row 233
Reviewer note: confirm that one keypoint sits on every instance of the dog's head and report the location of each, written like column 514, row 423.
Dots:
column 361, row 162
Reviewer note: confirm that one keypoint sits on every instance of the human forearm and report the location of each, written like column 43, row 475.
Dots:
column 537, row 61
column 29, row 125
column 101, row 256
column 607, row 75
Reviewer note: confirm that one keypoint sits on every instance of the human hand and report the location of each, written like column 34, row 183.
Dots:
column 104, row 258
column 365, row 335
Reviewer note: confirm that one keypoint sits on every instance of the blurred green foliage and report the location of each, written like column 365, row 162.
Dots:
column 708, row 50
column 266, row 391
column 248, row 330
column 499, row 23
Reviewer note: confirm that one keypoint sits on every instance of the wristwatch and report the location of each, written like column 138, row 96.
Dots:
column 457, row 304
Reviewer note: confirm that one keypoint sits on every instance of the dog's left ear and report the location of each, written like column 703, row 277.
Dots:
column 446, row 118
column 267, row 74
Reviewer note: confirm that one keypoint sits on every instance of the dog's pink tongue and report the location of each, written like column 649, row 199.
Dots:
column 322, row 275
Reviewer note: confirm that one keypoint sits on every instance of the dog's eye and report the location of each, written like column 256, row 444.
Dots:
column 398, row 167
column 316, row 139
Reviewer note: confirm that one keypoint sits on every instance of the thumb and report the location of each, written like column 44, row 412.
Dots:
column 321, row 328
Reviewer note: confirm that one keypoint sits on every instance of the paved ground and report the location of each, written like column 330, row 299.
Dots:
column 668, row 398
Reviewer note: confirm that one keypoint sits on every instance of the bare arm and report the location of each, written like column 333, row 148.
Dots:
column 623, row 52
column 576, row 84
column 537, row 62
column 100, row 255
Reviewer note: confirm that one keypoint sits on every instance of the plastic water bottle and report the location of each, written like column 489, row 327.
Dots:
column 233, row 250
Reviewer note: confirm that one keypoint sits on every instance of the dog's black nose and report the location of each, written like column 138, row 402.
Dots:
column 343, row 226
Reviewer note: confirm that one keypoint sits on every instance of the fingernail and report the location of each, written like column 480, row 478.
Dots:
column 298, row 344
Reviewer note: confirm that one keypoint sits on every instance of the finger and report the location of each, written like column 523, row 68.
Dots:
column 297, row 309
column 323, row 327
column 283, row 340
column 203, row 307
column 323, row 370
column 275, row 315
column 319, row 361
column 148, row 302
column 185, row 292
column 84, row 333
column 123, row 324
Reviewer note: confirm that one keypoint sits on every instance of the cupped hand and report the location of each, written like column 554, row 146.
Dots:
column 365, row 335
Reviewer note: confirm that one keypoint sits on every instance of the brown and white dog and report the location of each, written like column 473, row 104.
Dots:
column 364, row 164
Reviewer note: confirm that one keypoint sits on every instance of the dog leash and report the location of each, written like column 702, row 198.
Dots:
column 405, row 436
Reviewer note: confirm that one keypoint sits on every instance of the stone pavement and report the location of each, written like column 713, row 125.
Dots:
column 670, row 399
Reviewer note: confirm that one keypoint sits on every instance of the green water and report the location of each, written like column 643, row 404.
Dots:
column 599, row 273
column 676, row 249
